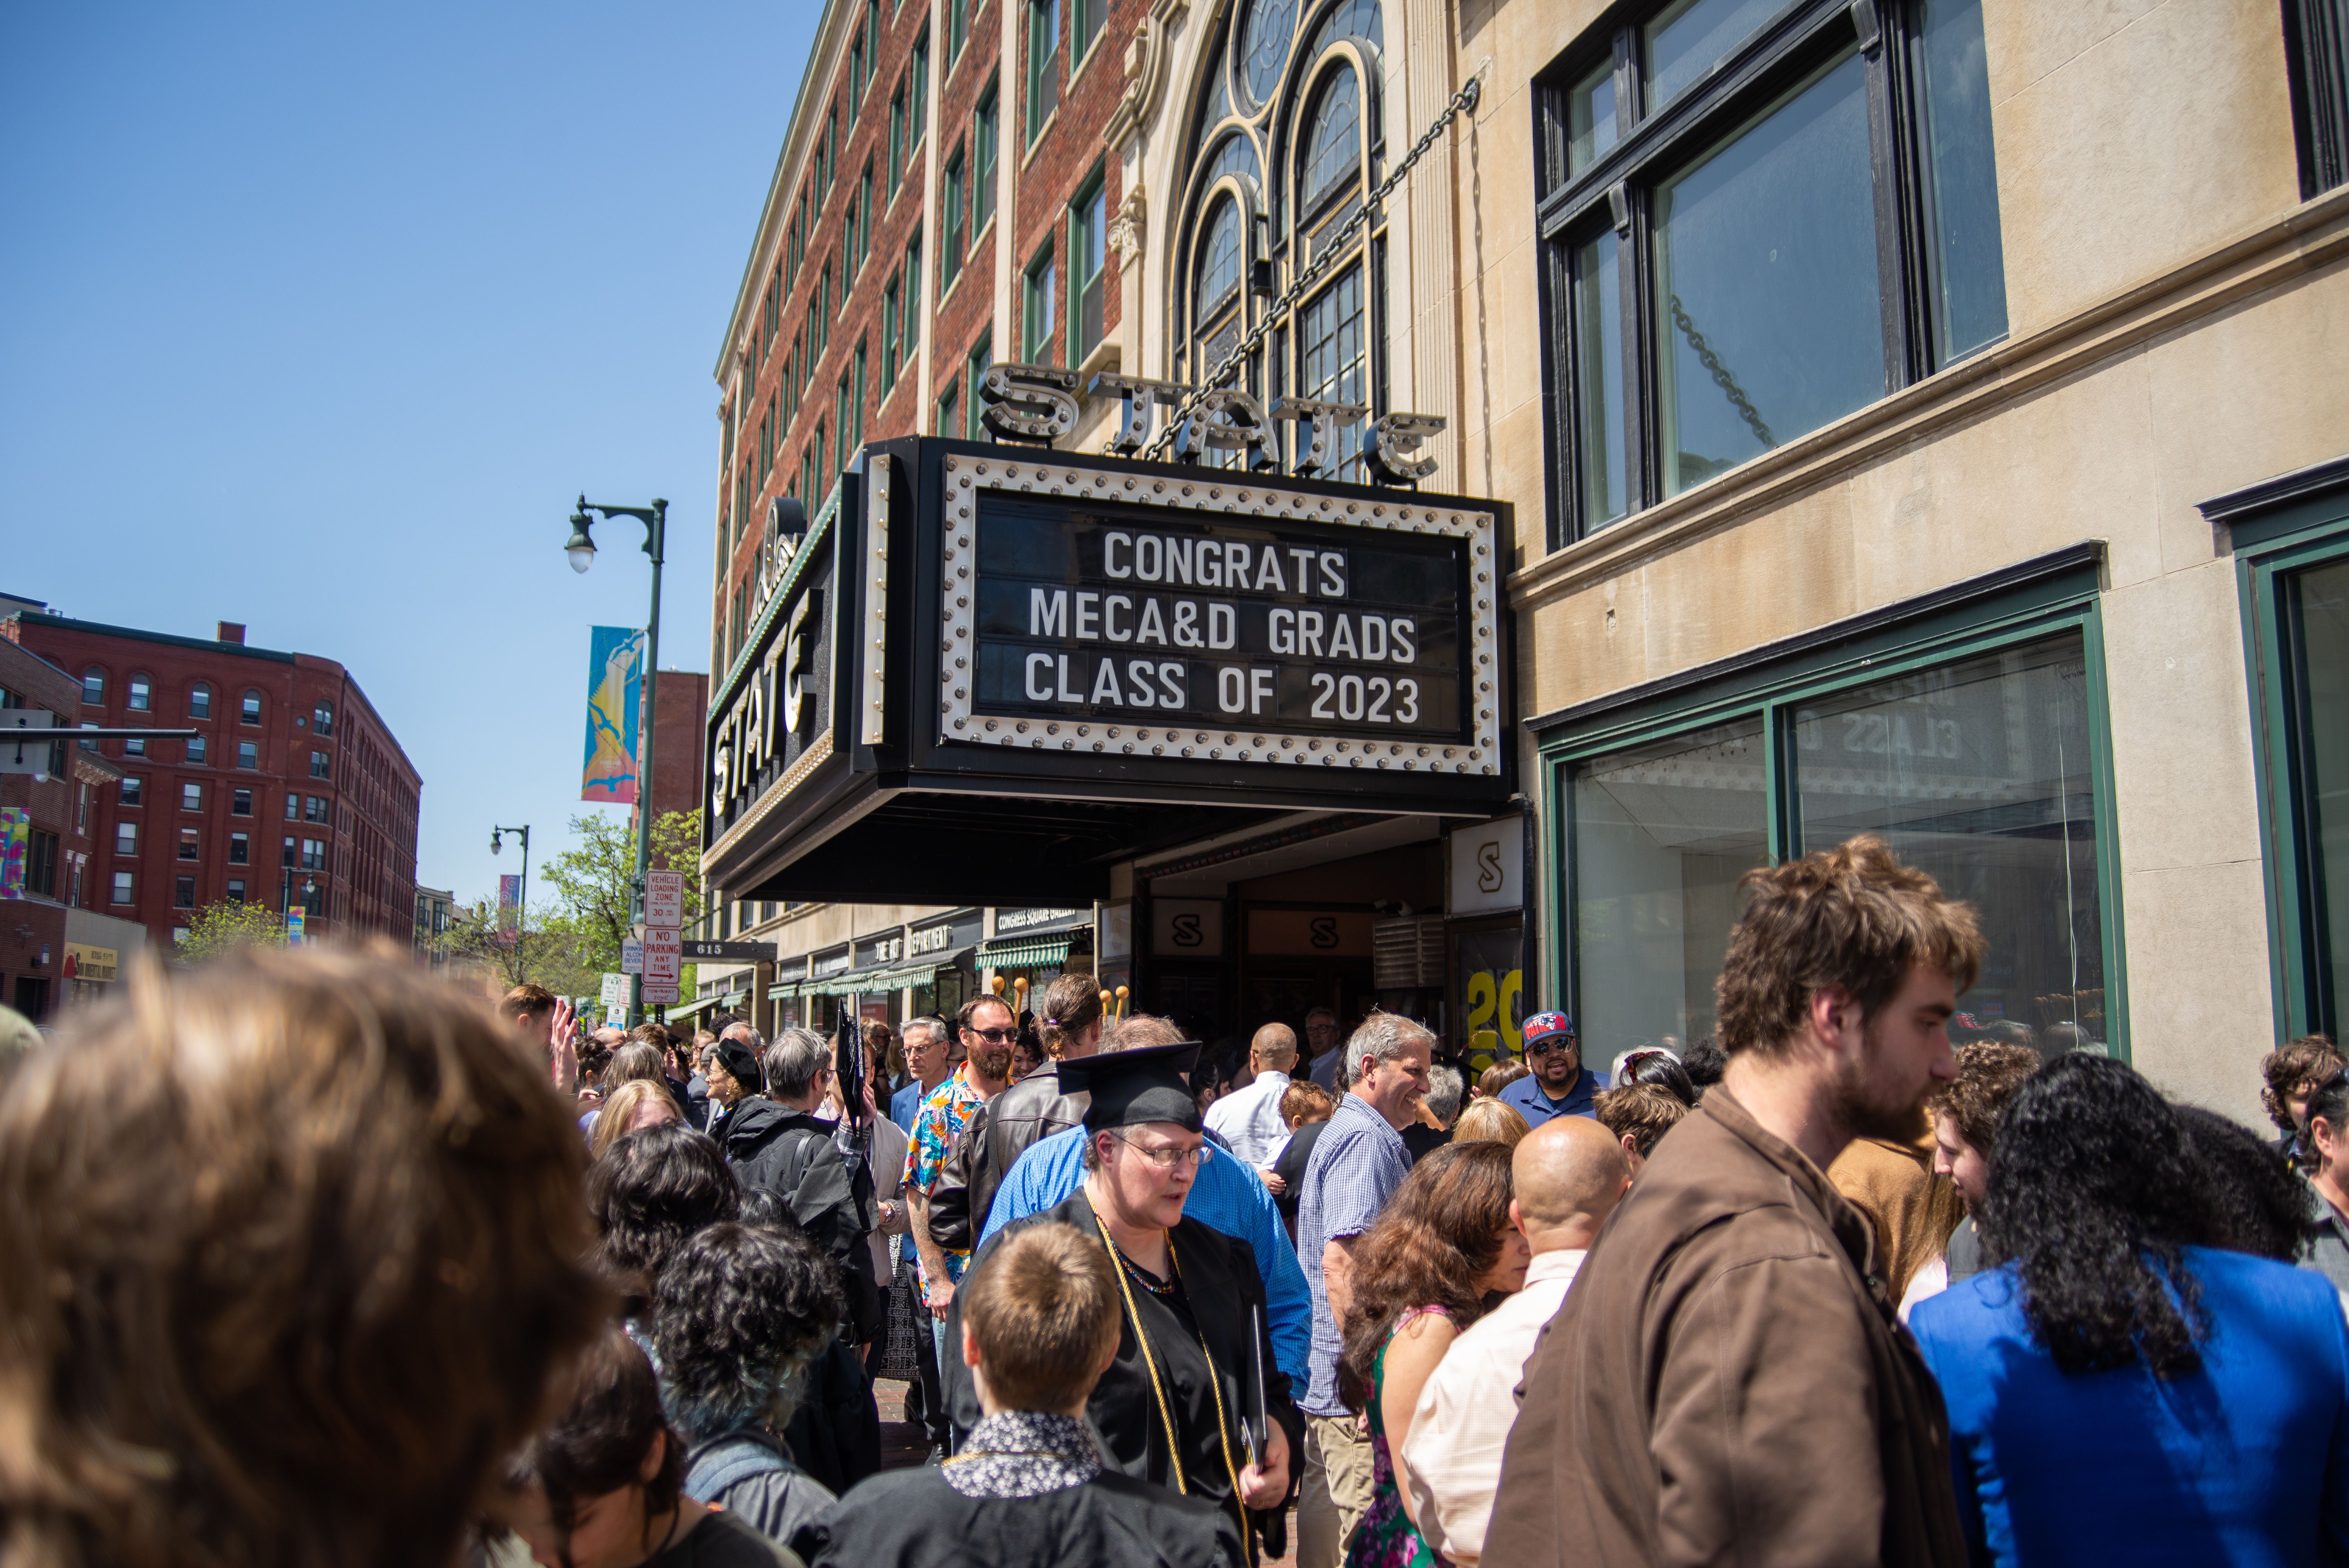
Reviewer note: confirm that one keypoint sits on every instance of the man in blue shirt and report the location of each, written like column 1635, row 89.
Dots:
column 1557, row 1084
column 1226, row 1196
column 1354, row 1169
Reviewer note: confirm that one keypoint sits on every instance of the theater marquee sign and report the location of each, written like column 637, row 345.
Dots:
column 989, row 672
column 1216, row 617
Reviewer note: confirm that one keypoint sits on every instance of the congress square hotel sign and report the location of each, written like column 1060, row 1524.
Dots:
column 1052, row 660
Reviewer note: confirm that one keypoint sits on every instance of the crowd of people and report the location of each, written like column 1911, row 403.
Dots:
column 304, row 1260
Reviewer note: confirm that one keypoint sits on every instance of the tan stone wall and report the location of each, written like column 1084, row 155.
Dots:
column 2178, row 319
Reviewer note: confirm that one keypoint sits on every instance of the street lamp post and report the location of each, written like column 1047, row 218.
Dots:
column 580, row 548
column 522, row 900
column 285, row 892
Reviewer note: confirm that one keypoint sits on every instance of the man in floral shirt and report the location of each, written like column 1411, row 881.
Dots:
column 989, row 1030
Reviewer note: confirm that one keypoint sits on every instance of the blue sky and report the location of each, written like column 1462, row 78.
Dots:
column 317, row 318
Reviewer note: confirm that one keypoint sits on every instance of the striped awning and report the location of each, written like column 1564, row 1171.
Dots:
column 1048, row 950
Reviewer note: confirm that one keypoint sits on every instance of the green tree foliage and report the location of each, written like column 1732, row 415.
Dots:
column 594, row 883
column 552, row 950
column 220, row 928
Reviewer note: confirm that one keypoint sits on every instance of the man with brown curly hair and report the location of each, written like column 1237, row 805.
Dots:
column 2289, row 1073
column 289, row 1253
column 1725, row 1381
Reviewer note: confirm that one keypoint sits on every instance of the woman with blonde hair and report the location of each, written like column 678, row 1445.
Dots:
column 1490, row 1121
column 636, row 1105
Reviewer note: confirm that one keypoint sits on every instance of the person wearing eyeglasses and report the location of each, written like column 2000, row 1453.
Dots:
column 987, row 1030
column 1195, row 1399
column 1557, row 1083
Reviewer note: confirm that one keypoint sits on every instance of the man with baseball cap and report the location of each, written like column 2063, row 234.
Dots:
column 1557, row 1083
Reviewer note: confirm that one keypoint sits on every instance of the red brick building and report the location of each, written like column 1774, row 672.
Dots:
column 50, row 926
column 680, row 702
column 885, row 275
column 294, row 783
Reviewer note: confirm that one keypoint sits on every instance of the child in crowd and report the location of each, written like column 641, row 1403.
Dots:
column 1039, row 1325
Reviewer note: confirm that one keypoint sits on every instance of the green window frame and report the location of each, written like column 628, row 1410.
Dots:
column 1752, row 700
column 982, row 355
column 957, row 29
column 2283, row 533
column 1036, row 303
column 949, row 407
column 950, row 200
column 1087, row 267
column 917, row 92
column 1085, row 19
column 896, row 139
column 985, row 123
column 856, row 408
column 889, row 335
column 1043, row 65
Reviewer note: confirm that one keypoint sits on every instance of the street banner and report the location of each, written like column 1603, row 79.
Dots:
column 614, row 692
column 632, row 957
column 665, row 899
column 509, row 907
column 15, row 838
column 616, row 990
column 296, row 919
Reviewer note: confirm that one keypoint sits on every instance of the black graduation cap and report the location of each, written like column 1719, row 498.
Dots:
column 1133, row 1086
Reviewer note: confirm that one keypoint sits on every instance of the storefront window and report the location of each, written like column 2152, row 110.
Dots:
column 2319, row 606
column 1980, row 770
column 1662, row 833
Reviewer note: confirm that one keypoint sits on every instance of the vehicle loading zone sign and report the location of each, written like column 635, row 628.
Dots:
column 1220, row 617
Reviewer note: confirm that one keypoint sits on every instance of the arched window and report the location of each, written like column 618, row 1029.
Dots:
column 200, row 701
column 322, row 721
column 1285, row 145
column 250, row 712
column 142, row 693
column 93, row 687
column 1333, row 134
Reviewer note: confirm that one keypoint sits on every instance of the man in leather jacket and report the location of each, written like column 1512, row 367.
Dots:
column 1021, row 1116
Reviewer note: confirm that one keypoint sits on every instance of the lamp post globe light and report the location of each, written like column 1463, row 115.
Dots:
column 581, row 550
column 521, row 899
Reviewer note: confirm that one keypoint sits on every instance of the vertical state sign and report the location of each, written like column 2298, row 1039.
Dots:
column 614, row 693
column 1218, row 618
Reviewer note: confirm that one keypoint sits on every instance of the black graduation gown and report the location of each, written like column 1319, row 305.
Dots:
column 912, row 1519
column 1217, row 1285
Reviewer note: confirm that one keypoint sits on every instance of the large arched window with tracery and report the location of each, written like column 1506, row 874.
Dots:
column 1285, row 144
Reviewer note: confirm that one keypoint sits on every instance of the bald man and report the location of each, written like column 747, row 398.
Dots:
column 1568, row 1174
column 1249, row 1119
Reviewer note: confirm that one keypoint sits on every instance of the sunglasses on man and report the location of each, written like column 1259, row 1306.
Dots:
column 1555, row 1043
column 999, row 1036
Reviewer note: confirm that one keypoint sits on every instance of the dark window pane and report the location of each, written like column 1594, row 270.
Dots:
column 1598, row 379
column 1687, row 38
column 1334, row 143
column 1219, row 259
column 1662, row 833
column 1332, row 339
column 1264, row 47
column 1590, row 118
column 2320, row 601
column 1969, row 267
column 1980, row 773
column 1765, row 281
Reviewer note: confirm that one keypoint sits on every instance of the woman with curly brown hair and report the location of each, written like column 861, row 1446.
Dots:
column 1443, row 1248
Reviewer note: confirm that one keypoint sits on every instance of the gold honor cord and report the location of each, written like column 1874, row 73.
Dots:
column 1150, row 1365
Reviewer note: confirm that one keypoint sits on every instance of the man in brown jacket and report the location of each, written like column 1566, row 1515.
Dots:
column 1726, row 1382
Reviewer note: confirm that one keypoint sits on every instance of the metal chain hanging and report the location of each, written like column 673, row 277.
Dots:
column 1330, row 251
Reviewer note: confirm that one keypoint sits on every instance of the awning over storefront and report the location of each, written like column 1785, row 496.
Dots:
column 1048, row 950
column 692, row 1009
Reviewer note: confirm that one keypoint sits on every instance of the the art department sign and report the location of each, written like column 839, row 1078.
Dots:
column 989, row 671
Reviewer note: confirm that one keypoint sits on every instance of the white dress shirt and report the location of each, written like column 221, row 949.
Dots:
column 1249, row 1118
column 1451, row 1461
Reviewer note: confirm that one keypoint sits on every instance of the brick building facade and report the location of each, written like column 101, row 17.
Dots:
column 681, row 699
column 49, row 925
column 294, row 781
column 886, row 273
